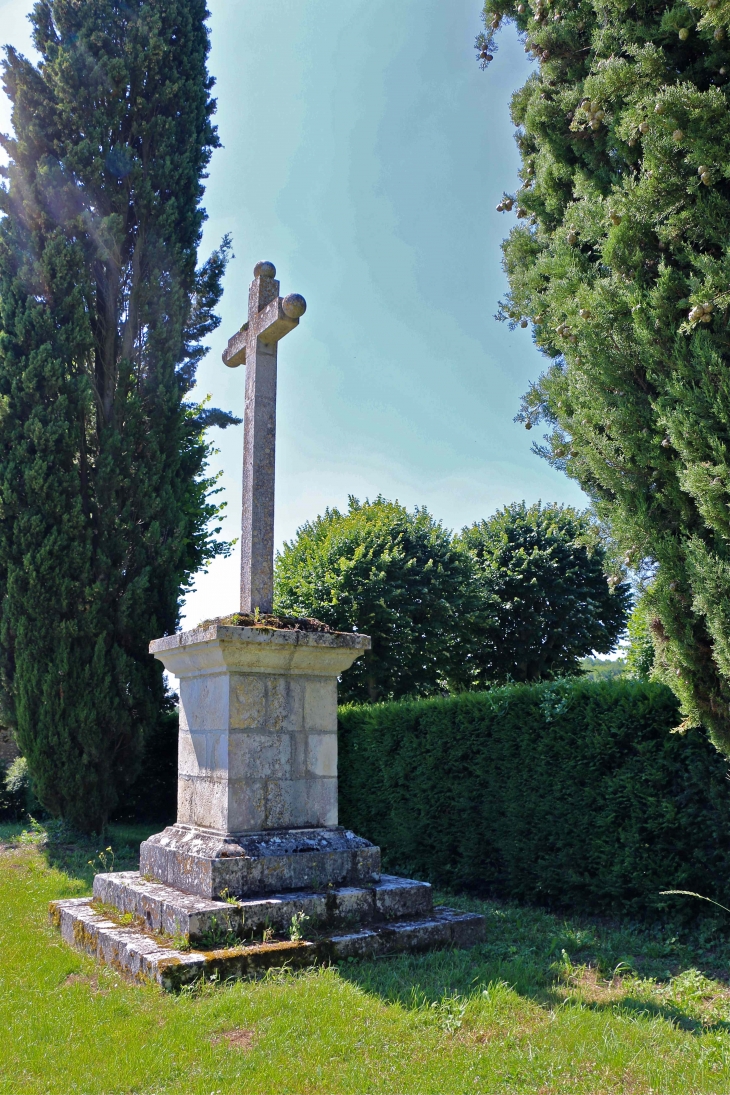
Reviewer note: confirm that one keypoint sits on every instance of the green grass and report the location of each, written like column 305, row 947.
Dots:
column 546, row 1004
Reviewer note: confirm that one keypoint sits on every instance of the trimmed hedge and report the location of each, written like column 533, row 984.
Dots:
column 571, row 793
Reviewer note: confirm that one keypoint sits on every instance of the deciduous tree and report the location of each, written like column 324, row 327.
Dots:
column 392, row 574
column 545, row 599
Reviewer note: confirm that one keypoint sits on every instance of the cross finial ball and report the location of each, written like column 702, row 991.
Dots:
column 294, row 306
column 264, row 270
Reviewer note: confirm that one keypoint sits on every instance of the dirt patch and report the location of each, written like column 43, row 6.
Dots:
column 236, row 1039
column 587, row 983
column 83, row 979
column 280, row 623
column 604, row 1083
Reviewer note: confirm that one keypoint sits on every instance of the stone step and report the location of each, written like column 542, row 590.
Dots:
column 139, row 955
column 164, row 909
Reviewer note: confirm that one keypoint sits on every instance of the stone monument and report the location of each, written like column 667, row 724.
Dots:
column 256, row 871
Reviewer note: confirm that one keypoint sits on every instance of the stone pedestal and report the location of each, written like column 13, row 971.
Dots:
column 258, row 725
column 257, row 764
column 256, row 849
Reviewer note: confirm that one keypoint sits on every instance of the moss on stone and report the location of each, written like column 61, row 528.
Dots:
column 269, row 622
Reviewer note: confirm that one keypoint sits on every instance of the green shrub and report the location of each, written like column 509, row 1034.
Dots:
column 567, row 793
column 106, row 502
column 619, row 262
column 17, row 798
column 152, row 798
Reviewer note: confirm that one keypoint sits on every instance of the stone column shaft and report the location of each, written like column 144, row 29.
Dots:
column 259, row 458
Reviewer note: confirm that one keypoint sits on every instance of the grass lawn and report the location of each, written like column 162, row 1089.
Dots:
column 545, row 1005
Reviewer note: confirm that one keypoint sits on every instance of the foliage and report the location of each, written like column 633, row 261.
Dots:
column 601, row 669
column 17, row 798
column 640, row 654
column 621, row 263
column 545, row 598
column 152, row 797
column 546, row 1003
column 391, row 574
column 297, row 929
column 105, row 506
column 570, row 792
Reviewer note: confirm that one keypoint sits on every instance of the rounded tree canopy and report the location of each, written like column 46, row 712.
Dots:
column 546, row 599
column 392, row 574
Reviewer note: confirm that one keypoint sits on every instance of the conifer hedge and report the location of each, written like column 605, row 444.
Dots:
column 569, row 793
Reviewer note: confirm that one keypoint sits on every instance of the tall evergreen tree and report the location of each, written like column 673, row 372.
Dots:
column 621, row 262
column 104, row 503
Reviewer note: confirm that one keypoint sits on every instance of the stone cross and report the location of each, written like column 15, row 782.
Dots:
column 269, row 319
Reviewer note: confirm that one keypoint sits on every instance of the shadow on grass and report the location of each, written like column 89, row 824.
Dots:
column 676, row 974
column 77, row 855
column 553, row 961
column 677, row 1016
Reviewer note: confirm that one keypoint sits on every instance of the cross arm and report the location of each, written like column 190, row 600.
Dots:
column 276, row 319
column 273, row 322
column 235, row 352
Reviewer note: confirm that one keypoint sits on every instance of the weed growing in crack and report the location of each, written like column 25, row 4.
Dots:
column 218, row 935
column 296, row 929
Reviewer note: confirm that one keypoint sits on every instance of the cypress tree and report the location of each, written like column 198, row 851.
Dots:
column 621, row 264
column 105, row 506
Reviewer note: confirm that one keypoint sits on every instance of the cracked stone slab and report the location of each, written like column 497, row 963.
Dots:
column 138, row 955
column 164, row 909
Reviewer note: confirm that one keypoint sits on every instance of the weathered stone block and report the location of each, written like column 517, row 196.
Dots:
column 247, row 701
column 216, row 753
column 258, row 725
column 246, row 805
column 266, row 862
column 143, row 957
column 320, row 706
column 161, row 908
column 190, row 753
column 284, row 704
column 204, row 701
column 301, row 803
column 259, row 755
column 397, row 897
column 203, row 801
column 322, row 755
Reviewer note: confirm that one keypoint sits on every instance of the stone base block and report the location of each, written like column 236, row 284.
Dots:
column 208, row 864
column 162, row 909
column 132, row 951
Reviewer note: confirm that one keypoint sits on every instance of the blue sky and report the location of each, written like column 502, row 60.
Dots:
column 364, row 154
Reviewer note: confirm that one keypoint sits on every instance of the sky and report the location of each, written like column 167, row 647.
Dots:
column 364, row 152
